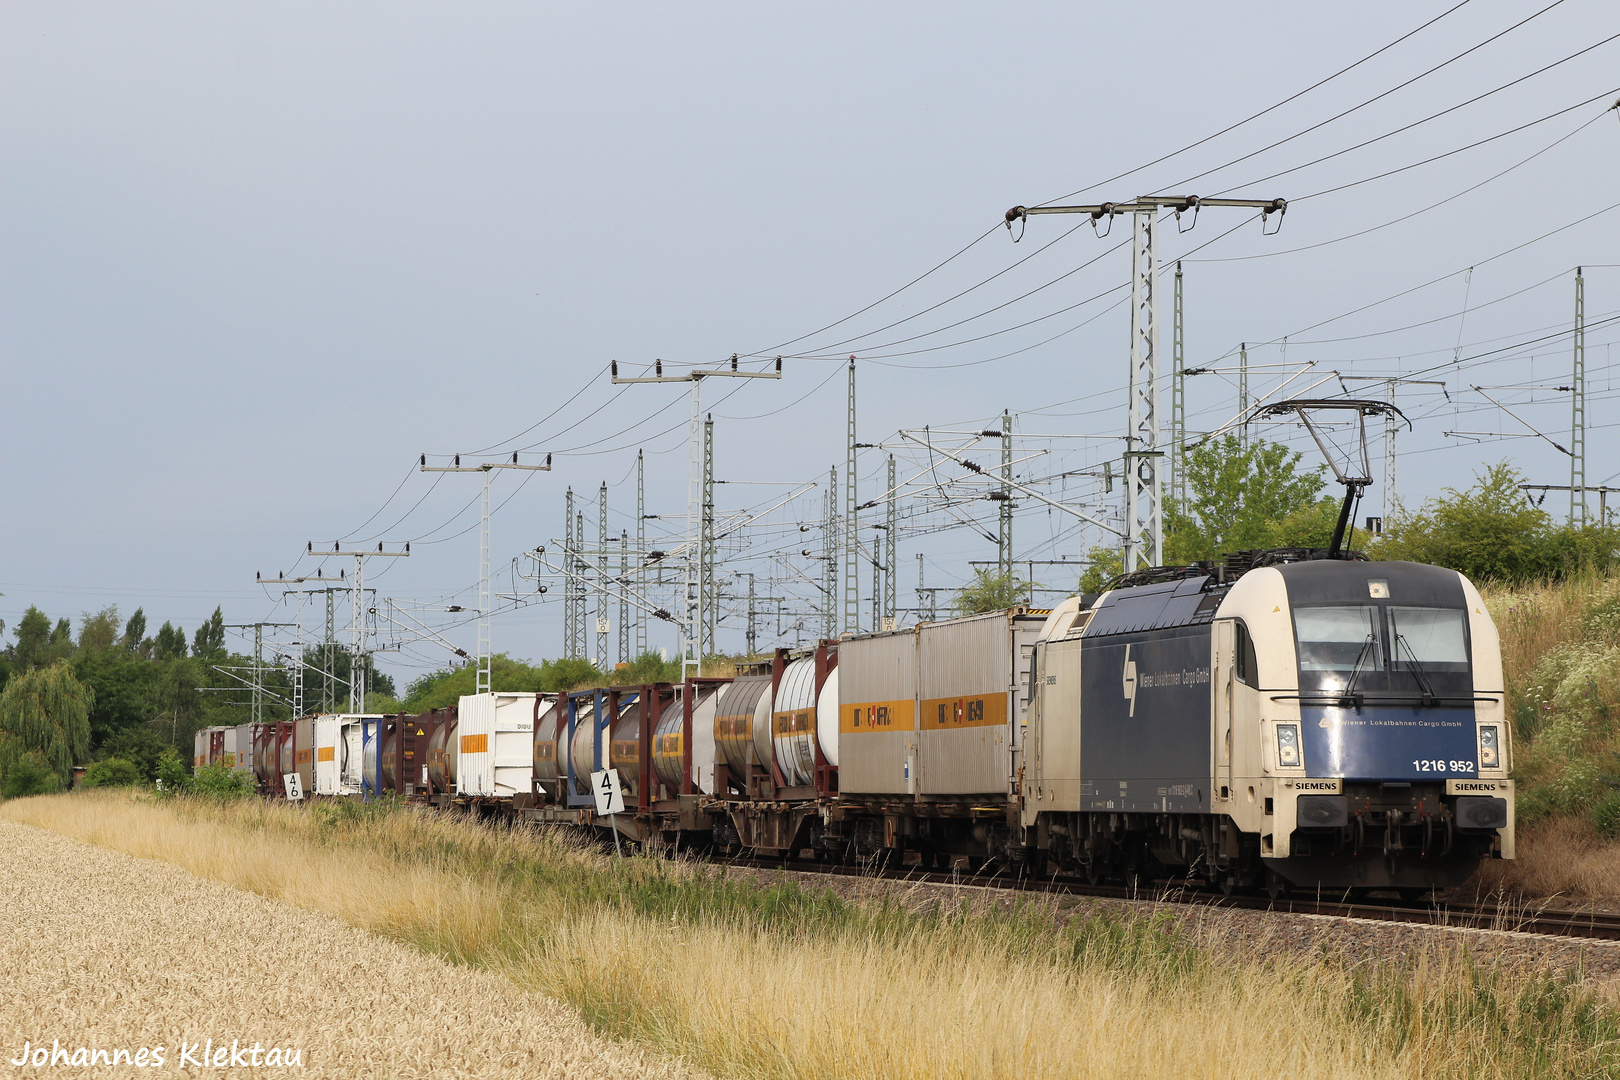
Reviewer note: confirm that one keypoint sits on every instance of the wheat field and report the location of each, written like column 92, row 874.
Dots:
column 104, row 951
column 755, row 982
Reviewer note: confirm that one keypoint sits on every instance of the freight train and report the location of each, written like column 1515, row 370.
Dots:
column 1278, row 720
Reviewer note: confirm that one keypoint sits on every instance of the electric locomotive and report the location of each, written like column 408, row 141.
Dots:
column 1281, row 719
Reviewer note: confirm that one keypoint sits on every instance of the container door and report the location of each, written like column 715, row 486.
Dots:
column 1223, row 686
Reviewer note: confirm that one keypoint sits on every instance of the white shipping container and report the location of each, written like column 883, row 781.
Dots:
column 337, row 754
column 239, row 748
column 495, row 733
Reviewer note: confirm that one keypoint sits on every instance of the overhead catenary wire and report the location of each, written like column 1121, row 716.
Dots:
column 1369, row 101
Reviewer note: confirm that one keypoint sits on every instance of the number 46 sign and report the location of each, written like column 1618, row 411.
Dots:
column 605, row 786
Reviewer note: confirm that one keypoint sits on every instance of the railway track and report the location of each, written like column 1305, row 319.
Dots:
column 1505, row 918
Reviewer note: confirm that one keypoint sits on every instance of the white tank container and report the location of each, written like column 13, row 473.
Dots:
column 793, row 723
column 669, row 752
column 495, row 733
column 827, row 718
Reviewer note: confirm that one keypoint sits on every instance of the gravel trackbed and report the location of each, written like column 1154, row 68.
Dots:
column 104, row 951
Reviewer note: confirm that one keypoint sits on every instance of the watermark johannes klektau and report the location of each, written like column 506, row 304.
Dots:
column 202, row 1054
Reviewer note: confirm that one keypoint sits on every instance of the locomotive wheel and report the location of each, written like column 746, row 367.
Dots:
column 1095, row 872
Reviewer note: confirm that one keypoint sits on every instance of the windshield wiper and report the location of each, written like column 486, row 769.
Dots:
column 1417, row 669
column 1349, row 697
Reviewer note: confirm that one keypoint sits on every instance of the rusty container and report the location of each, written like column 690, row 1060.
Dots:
column 546, row 713
column 443, row 753
column 734, row 723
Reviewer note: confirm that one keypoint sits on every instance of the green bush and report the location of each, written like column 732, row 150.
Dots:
column 29, row 774
column 113, row 772
column 1606, row 814
column 172, row 777
column 219, row 782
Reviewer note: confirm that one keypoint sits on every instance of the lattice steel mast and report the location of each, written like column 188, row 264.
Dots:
column 692, row 620
column 1144, row 517
column 485, row 600
column 1577, row 420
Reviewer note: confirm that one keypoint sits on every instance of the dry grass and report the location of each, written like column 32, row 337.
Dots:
column 104, row 951
column 779, row 982
column 1562, row 861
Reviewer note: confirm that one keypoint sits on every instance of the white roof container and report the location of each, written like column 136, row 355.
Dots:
column 496, row 737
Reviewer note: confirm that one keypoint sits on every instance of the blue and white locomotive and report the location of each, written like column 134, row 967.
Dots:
column 1282, row 720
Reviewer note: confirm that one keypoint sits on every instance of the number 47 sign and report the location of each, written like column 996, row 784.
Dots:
column 605, row 786
column 609, row 799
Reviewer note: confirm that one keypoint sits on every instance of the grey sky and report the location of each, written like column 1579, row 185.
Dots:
column 257, row 258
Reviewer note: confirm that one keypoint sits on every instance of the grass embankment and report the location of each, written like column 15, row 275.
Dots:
column 784, row 982
column 1561, row 663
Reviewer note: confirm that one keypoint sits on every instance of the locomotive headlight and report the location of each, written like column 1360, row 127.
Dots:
column 1490, row 746
column 1288, row 752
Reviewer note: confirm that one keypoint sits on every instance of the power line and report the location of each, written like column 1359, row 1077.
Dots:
column 1369, row 101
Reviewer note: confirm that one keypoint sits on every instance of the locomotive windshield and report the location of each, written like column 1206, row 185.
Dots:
column 1367, row 648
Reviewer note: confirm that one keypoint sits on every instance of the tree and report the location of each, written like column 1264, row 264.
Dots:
column 135, row 631
column 438, row 689
column 170, row 643
column 1241, row 497
column 1491, row 532
column 139, row 745
column 47, row 711
column 99, row 631
column 647, row 668
column 33, row 639
column 209, row 641
column 992, row 591
column 1106, row 565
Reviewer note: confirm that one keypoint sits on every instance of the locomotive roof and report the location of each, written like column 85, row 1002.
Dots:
column 1192, row 599
column 1158, row 606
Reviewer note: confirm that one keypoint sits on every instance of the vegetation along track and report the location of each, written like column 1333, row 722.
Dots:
column 1504, row 916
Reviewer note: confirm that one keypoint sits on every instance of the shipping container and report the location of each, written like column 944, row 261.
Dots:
column 972, row 696
column 444, row 753
column 669, row 745
column 793, row 723
column 734, row 735
column 495, row 734
column 239, row 749
column 338, row 748
column 877, row 713
column 199, row 749
column 304, row 752
column 545, row 748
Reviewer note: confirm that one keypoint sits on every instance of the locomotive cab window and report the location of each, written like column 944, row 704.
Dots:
column 1364, row 648
column 1243, row 660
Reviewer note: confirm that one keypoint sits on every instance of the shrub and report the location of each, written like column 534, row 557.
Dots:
column 30, row 774
column 113, row 772
column 1606, row 814
column 221, row 783
column 172, row 777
